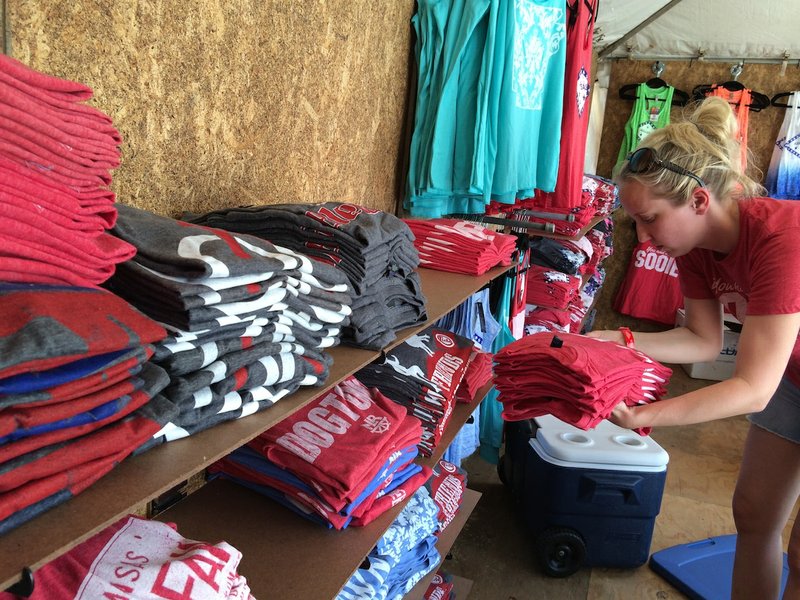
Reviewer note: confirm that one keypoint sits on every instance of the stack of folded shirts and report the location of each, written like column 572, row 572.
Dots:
column 247, row 320
column 137, row 558
column 423, row 374
column 460, row 246
column 375, row 250
column 343, row 459
column 551, row 289
column 566, row 256
column 447, row 486
column 77, row 393
column 477, row 375
column 403, row 555
column 575, row 378
column 598, row 197
column 441, row 587
column 56, row 155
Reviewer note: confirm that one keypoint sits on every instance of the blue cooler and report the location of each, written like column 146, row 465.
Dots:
column 589, row 497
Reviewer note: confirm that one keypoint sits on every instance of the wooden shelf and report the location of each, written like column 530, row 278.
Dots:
column 272, row 530
column 446, row 541
column 141, row 478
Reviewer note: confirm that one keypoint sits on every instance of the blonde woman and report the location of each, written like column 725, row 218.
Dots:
column 686, row 192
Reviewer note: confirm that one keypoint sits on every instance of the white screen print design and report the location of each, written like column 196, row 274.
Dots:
column 538, row 34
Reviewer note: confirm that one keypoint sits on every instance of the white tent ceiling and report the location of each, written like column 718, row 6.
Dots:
column 748, row 30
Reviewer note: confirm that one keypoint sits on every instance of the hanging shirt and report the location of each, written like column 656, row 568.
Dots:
column 650, row 289
column 651, row 111
column 528, row 96
column 740, row 101
column 575, row 121
column 783, row 176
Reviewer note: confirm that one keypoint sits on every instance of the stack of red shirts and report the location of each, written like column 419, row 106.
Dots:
column 137, row 558
column 477, row 375
column 598, row 197
column 460, row 246
column 541, row 318
column 423, row 374
column 575, row 378
column 550, row 288
column 344, row 448
column 77, row 394
column 55, row 160
column 441, row 587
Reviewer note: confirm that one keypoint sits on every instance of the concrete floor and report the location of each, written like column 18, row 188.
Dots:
column 494, row 549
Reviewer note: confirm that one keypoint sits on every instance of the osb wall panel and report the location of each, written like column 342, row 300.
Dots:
column 762, row 133
column 228, row 102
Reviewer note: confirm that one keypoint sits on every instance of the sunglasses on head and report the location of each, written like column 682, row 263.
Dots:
column 644, row 160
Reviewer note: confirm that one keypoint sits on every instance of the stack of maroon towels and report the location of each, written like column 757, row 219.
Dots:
column 575, row 378
column 56, row 156
column 460, row 246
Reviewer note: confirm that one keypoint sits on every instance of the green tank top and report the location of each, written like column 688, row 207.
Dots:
column 650, row 112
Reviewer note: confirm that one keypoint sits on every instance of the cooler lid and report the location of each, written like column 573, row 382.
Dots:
column 606, row 444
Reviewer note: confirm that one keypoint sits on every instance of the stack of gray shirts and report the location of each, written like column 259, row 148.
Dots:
column 247, row 321
column 375, row 249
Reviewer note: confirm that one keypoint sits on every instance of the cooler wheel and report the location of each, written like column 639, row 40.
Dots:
column 501, row 469
column 560, row 551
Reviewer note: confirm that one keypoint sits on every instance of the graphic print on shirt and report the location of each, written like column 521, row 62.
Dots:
column 649, row 126
column 791, row 145
column 582, row 90
column 340, row 215
column 149, row 559
column 418, row 341
column 538, row 33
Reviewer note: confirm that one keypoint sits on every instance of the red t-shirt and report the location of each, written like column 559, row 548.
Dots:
column 761, row 276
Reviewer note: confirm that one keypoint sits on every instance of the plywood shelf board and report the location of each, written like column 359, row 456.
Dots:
column 139, row 479
column 284, row 555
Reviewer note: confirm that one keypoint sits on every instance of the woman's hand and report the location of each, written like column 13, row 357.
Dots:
column 623, row 415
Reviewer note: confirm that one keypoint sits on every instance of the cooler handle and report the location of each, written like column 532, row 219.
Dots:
column 600, row 488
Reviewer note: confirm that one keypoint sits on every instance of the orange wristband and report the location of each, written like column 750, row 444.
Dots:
column 627, row 336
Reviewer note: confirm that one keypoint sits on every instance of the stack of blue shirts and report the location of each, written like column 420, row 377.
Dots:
column 402, row 557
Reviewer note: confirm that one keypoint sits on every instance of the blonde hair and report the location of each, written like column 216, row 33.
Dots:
column 704, row 142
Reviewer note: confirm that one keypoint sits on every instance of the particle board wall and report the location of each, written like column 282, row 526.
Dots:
column 762, row 133
column 231, row 102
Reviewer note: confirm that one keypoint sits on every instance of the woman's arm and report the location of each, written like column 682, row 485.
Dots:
column 765, row 346
column 699, row 340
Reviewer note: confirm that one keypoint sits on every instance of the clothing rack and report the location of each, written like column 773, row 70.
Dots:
column 549, row 227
